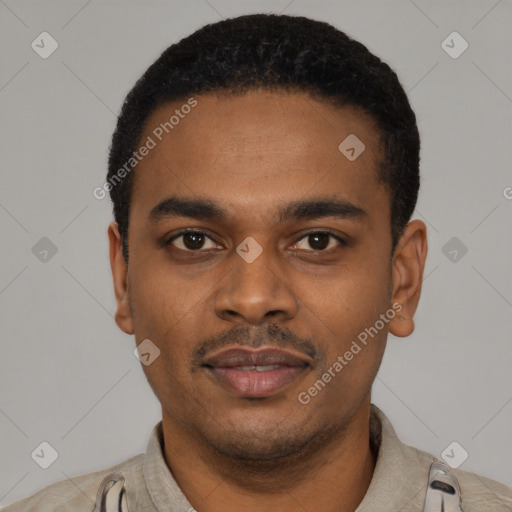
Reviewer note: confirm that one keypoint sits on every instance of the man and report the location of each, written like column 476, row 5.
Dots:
column 263, row 172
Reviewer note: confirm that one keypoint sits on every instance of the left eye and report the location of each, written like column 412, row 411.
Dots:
column 319, row 240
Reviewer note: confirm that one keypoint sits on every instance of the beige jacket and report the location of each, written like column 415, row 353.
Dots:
column 399, row 482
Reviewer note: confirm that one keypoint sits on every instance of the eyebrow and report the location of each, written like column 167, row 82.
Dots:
column 205, row 209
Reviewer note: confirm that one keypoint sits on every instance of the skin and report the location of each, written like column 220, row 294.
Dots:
column 251, row 154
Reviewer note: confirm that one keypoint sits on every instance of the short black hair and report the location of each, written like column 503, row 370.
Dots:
column 275, row 52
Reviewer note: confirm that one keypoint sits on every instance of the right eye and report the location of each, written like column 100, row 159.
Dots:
column 191, row 241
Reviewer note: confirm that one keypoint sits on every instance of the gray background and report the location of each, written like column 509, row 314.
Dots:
column 68, row 376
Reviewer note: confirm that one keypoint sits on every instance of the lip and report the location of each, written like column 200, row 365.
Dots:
column 255, row 357
column 236, row 370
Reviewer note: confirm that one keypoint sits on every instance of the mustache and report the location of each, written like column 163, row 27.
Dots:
column 253, row 337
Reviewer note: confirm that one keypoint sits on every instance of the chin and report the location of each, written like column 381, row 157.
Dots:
column 248, row 445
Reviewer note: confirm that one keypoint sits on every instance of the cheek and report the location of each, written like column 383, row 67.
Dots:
column 353, row 353
column 353, row 297
column 165, row 310
column 345, row 312
column 162, row 302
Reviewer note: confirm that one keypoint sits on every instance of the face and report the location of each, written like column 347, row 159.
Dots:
column 250, row 228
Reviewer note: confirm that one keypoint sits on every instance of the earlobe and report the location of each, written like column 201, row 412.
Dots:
column 401, row 326
column 119, row 269
column 407, row 276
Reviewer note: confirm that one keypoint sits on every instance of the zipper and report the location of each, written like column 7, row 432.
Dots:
column 443, row 491
column 111, row 495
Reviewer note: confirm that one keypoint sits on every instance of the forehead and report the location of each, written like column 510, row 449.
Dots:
column 257, row 150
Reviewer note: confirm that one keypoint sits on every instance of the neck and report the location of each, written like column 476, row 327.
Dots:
column 330, row 474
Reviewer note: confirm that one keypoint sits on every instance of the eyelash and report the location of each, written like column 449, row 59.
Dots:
column 342, row 242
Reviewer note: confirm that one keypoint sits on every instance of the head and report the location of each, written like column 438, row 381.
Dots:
column 248, row 125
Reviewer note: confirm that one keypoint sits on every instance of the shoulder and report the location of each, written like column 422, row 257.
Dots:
column 411, row 467
column 77, row 493
column 481, row 493
column 477, row 492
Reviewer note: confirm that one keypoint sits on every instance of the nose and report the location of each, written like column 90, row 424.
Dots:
column 255, row 292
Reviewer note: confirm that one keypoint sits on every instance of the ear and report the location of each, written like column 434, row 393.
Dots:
column 407, row 276
column 119, row 275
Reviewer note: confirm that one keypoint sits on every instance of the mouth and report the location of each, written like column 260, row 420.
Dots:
column 256, row 373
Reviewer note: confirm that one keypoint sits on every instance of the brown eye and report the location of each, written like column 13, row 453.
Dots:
column 320, row 241
column 191, row 241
